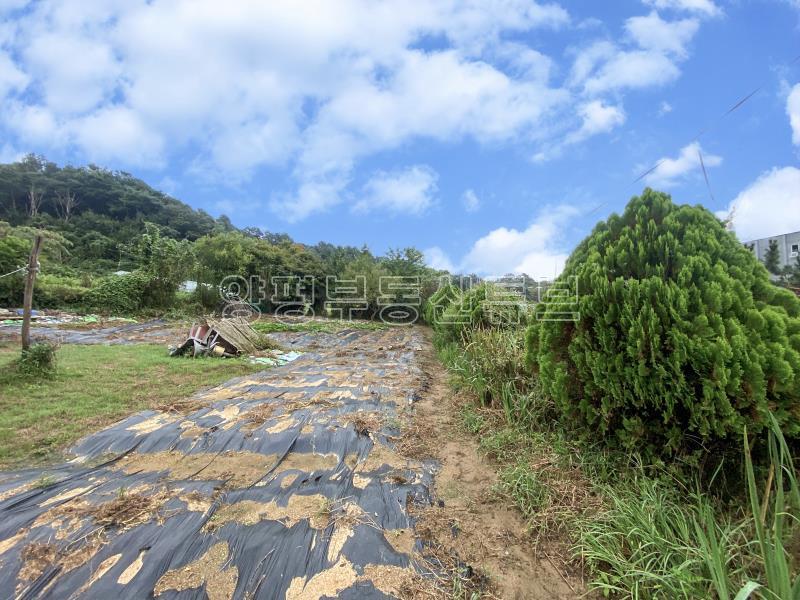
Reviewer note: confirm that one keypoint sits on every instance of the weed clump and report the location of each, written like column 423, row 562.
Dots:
column 38, row 361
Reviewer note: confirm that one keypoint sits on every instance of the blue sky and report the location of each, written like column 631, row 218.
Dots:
column 491, row 134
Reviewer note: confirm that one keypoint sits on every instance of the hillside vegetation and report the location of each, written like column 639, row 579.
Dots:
column 98, row 222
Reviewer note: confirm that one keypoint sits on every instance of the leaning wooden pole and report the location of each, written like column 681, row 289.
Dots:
column 27, row 303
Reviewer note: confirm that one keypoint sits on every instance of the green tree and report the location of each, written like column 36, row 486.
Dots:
column 164, row 261
column 682, row 339
column 794, row 274
column 772, row 258
column 14, row 250
column 408, row 262
column 95, row 209
column 372, row 271
column 219, row 256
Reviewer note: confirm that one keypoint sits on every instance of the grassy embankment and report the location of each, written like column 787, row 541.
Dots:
column 93, row 387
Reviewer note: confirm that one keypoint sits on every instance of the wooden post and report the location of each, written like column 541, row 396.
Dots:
column 33, row 268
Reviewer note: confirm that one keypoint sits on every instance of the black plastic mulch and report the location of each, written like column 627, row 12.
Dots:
column 282, row 484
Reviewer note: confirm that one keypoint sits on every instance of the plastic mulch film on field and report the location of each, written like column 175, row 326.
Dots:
column 150, row 332
column 282, row 484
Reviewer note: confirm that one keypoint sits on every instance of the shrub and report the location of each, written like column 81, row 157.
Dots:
column 120, row 294
column 482, row 306
column 682, row 339
column 37, row 361
column 55, row 291
column 440, row 300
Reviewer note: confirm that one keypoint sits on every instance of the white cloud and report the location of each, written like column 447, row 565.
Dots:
column 437, row 95
column 78, row 73
column 7, row 6
column 671, row 170
column 535, row 250
column 632, row 70
column 587, row 60
column 9, row 154
column 269, row 84
column 651, row 32
column 703, row 7
column 34, row 125
column 436, row 258
column 311, row 197
column 769, row 206
column 470, row 201
column 117, row 133
column 312, row 91
column 596, row 118
column 664, row 109
column 599, row 118
column 408, row 192
column 648, row 57
column 793, row 110
column 11, row 77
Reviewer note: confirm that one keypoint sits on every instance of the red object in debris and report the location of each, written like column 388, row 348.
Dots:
column 199, row 332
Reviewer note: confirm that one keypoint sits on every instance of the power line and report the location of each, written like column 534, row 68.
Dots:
column 12, row 272
column 736, row 106
column 705, row 173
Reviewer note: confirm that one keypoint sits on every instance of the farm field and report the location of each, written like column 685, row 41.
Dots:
column 410, row 300
column 326, row 458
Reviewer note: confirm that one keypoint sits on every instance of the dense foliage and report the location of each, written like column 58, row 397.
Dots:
column 37, row 361
column 96, row 210
column 682, row 338
column 100, row 222
column 454, row 312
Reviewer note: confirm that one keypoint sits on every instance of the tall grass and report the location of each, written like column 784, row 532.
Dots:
column 776, row 525
column 645, row 544
column 654, row 540
column 490, row 362
column 653, row 535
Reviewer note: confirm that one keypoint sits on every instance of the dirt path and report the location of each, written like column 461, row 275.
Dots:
column 491, row 536
column 303, row 481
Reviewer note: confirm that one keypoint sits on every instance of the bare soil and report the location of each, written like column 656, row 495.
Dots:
column 469, row 525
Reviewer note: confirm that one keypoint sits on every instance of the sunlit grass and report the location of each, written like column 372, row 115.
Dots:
column 92, row 387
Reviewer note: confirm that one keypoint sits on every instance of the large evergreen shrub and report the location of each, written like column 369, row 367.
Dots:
column 438, row 302
column 682, row 339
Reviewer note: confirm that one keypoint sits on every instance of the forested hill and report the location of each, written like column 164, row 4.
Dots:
column 93, row 208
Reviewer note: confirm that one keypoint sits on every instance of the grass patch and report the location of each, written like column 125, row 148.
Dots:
column 530, row 493
column 93, row 387
column 471, row 419
column 317, row 326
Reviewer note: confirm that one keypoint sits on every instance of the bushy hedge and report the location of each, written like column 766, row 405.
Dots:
column 55, row 291
column 481, row 306
column 682, row 338
column 118, row 294
column 438, row 302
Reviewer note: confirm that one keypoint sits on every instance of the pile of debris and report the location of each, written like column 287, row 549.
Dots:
column 226, row 337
